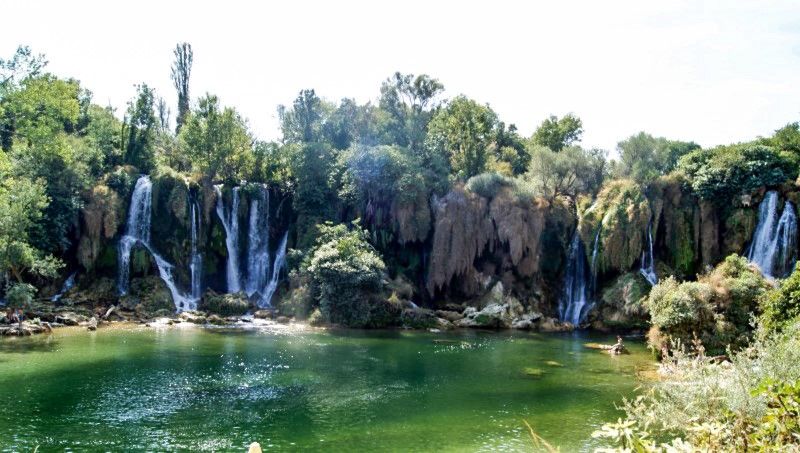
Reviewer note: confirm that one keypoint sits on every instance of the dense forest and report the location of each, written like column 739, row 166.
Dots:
column 415, row 210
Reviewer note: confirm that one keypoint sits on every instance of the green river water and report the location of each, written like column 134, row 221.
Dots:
column 172, row 388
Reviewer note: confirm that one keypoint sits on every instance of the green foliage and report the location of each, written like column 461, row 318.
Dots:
column 348, row 277
column 20, row 295
column 557, row 133
column 781, row 306
column 644, row 157
column 22, row 203
column 315, row 196
column 570, row 171
column 749, row 404
column 717, row 308
column 217, row 142
column 225, row 304
column 786, row 138
column 409, row 103
column 141, row 123
column 488, row 185
column 463, row 131
column 181, row 71
column 722, row 172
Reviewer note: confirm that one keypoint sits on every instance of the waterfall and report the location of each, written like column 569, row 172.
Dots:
column 230, row 221
column 280, row 261
column 593, row 264
column 137, row 231
column 258, row 244
column 574, row 303
column 196, row 261
column 68, row 284
column 774, row 245
column 648, row 262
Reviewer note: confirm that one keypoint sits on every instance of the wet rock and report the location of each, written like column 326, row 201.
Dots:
column 70, row 318
column 193, row 317
column 215, row 320
column 225, row 304
column 554, row 325
column 263, row 314
column 418, row 318
column 92, row 324
column 283, row 319
column 451, row 316
column 527, row 321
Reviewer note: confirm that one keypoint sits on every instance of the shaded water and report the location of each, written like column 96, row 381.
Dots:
column 194, row 389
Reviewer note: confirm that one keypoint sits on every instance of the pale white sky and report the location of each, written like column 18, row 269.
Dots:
column 711, row 71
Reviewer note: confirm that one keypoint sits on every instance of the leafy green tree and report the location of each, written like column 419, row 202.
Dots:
column 570, row 172
column 181, row 71
column 644, row 157
column 304, row 121
column 509, row 154
column 22, row 203
column 787, row 138
column 142, row 126
column 463, row 131
column 719, row 173
column 22, row 65
column 557, row 133
column 348, row 276
column 780, row 306
column 409, row 102
column 217, row 141
column 315, row 197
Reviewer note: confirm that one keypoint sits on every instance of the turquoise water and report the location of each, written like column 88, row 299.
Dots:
column 138, row 388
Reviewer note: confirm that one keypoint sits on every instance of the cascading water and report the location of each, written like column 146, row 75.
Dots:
column 230, row 221
column 69, row 283
column 574, row 303
column 774, row 245
column 137, row 231
column 277, row 266
column 258, row 244
column 593, row 264
column 648, row 265
column 196, row 260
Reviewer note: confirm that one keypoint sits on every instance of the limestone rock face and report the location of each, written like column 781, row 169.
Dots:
column 467, row 226
column 101, row 218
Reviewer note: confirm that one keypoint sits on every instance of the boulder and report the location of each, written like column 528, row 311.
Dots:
column 215, row 320
column 263, row 314
column 70, row 318
column 193, row 317
column 92, row 324
column 283, row 319
column 527, row 321
column 554, row 325
column 225, row 304
column 418, row 318
column 451, row 316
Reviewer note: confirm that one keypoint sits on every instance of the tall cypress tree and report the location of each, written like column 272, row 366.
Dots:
column 181, row 70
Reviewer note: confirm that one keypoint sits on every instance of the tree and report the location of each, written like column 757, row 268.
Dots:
column 217, row 141
column 463, row 131
column 22, row 203
column 181, row 71
column 303, row 122
column 787, row 138
column 556, row 133
column 22, row 65
column 410, row 103
column 142, row 125
column 644, row 157
column 570, row 172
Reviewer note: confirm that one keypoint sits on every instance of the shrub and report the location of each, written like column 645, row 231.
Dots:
column 780, row 306
column 488, row 185
column 722, row 172
column 717, row 308
column 348, row 278
column 20, row 295
column 224, row 304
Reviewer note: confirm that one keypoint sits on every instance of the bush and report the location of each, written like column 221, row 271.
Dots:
column 348, row 277
column 20, row 295
column 488, row 185
column 781, row 306
column 717, row 308
column 749, row 404
column 224, row 304
column 720, row 173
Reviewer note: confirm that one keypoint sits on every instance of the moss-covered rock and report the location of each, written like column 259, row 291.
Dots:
column 224, row 304
column 149, row 297
column 622, row 302
column 621, row 214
